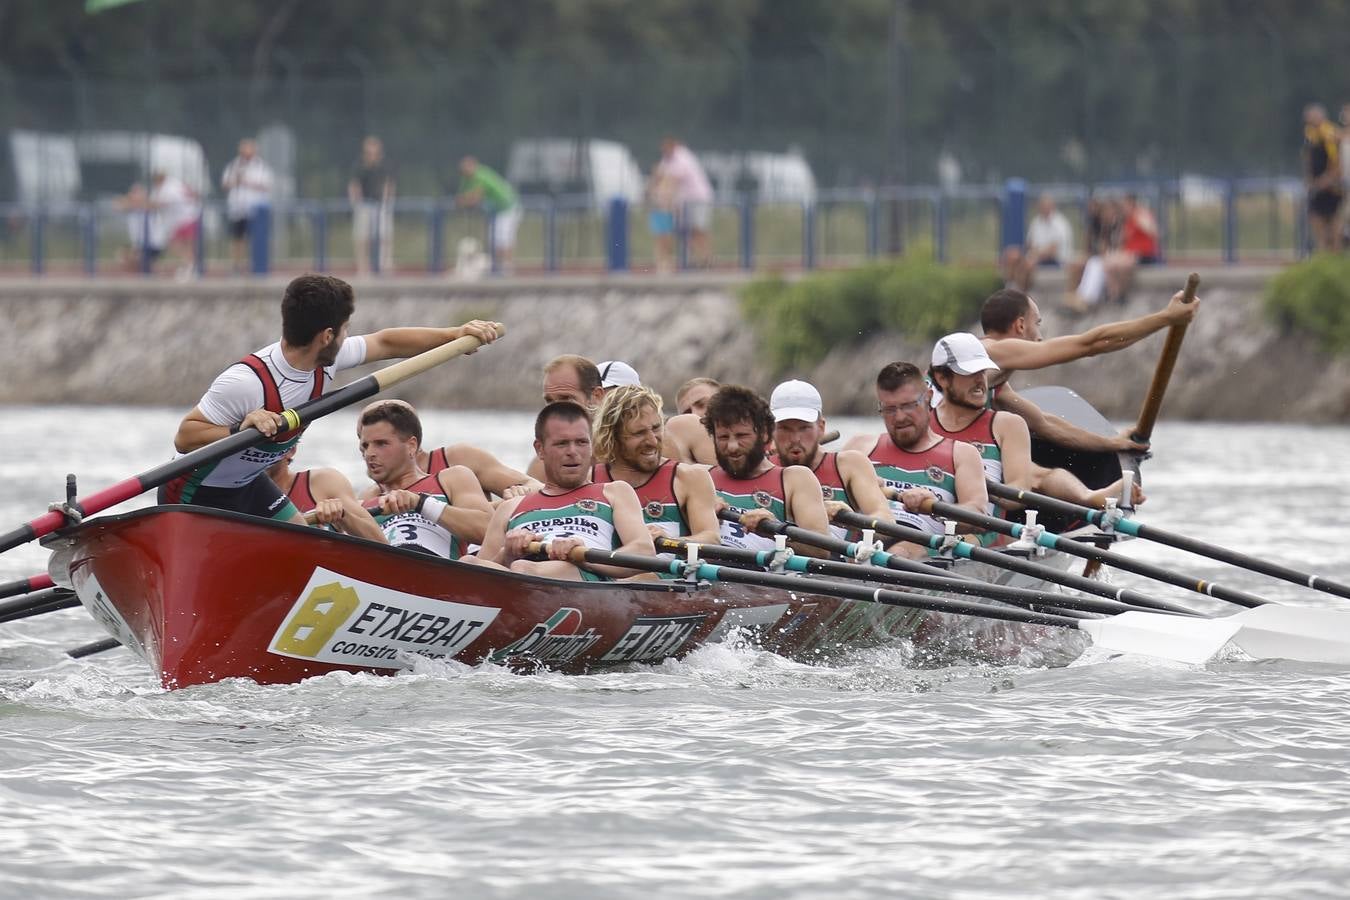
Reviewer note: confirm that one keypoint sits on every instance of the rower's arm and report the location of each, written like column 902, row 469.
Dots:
column 494, row 475
column 196, row 431
column 1061, row 431
column 805, row 507
column 493, row 548
column 698, row 499
column 1014, row 444
column 687, row 440
column 1014, row 354
column 861, row 480
column 400, row 343
column 468, row 513
column 629, row 526
column 970, row 490
column 863, row 443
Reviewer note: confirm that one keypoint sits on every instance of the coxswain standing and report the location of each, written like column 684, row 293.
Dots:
column 316, row 311
column 439, row 514
column 741, row 427
column 570, row 511
column 678, row 500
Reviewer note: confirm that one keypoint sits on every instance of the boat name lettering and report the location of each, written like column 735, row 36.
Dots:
column 653, row 638
column 391, row 624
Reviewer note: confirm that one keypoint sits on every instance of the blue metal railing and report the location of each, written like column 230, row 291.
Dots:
column 1226, row 220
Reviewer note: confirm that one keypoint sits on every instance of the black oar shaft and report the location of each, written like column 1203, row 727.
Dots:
column 912, row 580
column 830, row 588
column 1179, row 541
column 1009, row 562
column 38, row 602
column 1115, row 560
column 25, row 585
column 90, row 649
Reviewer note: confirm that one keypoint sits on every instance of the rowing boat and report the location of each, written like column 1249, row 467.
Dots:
column 203, row 595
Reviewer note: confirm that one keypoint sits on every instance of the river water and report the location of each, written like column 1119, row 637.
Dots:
column 731, row 773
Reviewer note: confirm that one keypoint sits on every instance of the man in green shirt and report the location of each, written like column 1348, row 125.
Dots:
column 481, row 186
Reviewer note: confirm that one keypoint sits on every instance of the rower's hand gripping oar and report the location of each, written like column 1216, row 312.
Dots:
column 1162, row 374
column 1112, row 522
column 1180, row 638
column 301, row 415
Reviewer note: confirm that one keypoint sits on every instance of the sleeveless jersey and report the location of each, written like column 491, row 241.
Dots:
column 761, row 492
column 436, row 461
column 657, row 496
column 832, row 488
column 413, row 531
column 980, row 434
column 932, row 469
column 241, row 468
column 300, row 494
column 582, row 513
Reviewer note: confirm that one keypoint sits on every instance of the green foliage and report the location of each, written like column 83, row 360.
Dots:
column 1314, row 297
column 799, row 322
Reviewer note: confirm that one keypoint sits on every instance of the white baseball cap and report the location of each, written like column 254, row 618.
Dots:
column 795, row 400
column 617, row 374
column 963, row 353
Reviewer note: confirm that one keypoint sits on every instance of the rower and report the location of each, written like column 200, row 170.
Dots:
column 495, row 477
column 847, row 480
column 693, row 395
column 916, row 461
column 1012, row 336
column 327, row 494
column 570, row 511
column 741, row 426
column 315, row 313
column 574, row 379
column 678, row 499
column 438, row 514
column 959, row 372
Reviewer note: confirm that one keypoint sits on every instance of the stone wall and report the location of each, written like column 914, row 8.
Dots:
column 138, row 342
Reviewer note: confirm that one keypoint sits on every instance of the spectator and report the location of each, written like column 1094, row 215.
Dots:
column 371, row 192
column 1322, row 175
column 661, row 190
column 179, row 213
column 1138, row 247
column 144, row 229
column 1049, row 242
column 1087, row 280
column 247, row 182
column 1345, row 164
column 481, row 186
column 693, row 196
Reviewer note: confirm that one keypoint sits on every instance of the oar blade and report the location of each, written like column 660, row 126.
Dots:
column 1303, row 633
column 1181, row 638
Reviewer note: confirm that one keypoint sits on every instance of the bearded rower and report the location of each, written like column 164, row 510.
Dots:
column 741, row 426
column 315, row 313
column 678, row 500
column 847, row 479
column 570, row 511
column 960, row 369
column 438, row 514
column 916, row 461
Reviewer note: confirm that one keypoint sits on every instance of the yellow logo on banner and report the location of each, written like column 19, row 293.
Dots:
column 314, row 623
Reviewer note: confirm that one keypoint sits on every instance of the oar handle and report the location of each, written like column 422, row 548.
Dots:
column 312, row 515
column 1162, row 374
column 830, row 436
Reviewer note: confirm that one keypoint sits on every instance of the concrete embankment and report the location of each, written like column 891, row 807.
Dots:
column 138, row 342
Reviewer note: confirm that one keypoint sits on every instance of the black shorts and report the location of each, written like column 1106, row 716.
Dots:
column 238, row 228
column 260, row 497
column 1324, row 203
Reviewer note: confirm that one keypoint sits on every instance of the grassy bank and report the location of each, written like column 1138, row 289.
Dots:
column 1313, row 297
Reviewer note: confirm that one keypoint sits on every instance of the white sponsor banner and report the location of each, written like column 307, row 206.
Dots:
column 339, row 619
column 95, row 599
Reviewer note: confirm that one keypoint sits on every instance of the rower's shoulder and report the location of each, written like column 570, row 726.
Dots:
column 859, row 443
column 329, row 482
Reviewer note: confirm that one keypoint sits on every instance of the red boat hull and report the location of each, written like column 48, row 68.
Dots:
column 204, row 595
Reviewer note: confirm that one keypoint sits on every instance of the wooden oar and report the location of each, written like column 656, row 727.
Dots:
column 1162, row 374
column 37, row 603
column 970, row 587
column 829, row 437
column 301, row 415
column 1086, row 551
column 1180, row 638
column 26, row 585
column 1172, row 539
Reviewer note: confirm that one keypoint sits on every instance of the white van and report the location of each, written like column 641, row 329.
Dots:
column 599, row 169
column 46, row 168
column 772, row 177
